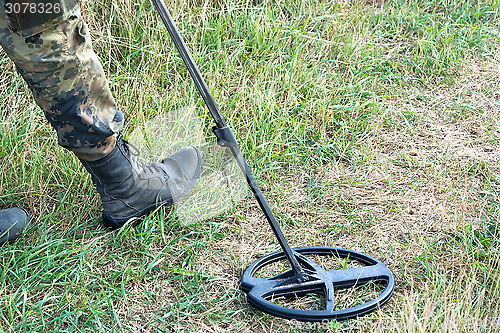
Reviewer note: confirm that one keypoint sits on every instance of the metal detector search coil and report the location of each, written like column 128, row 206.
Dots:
column 305, row 275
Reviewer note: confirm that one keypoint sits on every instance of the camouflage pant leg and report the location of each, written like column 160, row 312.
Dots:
column 56, row 59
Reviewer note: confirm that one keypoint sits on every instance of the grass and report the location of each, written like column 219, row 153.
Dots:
column 371, row 125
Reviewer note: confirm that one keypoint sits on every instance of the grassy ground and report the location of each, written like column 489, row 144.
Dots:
column 371, row 125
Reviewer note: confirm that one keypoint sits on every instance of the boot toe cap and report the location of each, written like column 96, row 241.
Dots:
column 184, row 169
column 189, row 159
column 13, row 222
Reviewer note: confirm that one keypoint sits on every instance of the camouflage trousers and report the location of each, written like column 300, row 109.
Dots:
column 52, row 51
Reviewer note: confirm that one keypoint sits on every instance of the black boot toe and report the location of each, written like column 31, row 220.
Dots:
column 13, row 222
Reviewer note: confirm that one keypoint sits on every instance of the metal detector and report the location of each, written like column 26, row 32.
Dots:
column 305, row 275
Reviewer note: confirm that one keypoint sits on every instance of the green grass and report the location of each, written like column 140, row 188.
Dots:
column 371, row 125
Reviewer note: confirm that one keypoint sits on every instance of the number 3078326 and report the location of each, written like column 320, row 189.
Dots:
column 32, row 8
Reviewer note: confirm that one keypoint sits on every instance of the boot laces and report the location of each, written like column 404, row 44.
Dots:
column 134, row 151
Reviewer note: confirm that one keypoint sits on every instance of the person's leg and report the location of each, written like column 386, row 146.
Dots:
column 56, row 59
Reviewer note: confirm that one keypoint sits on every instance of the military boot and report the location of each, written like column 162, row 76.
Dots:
column 130, row 189
column 13, row 222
